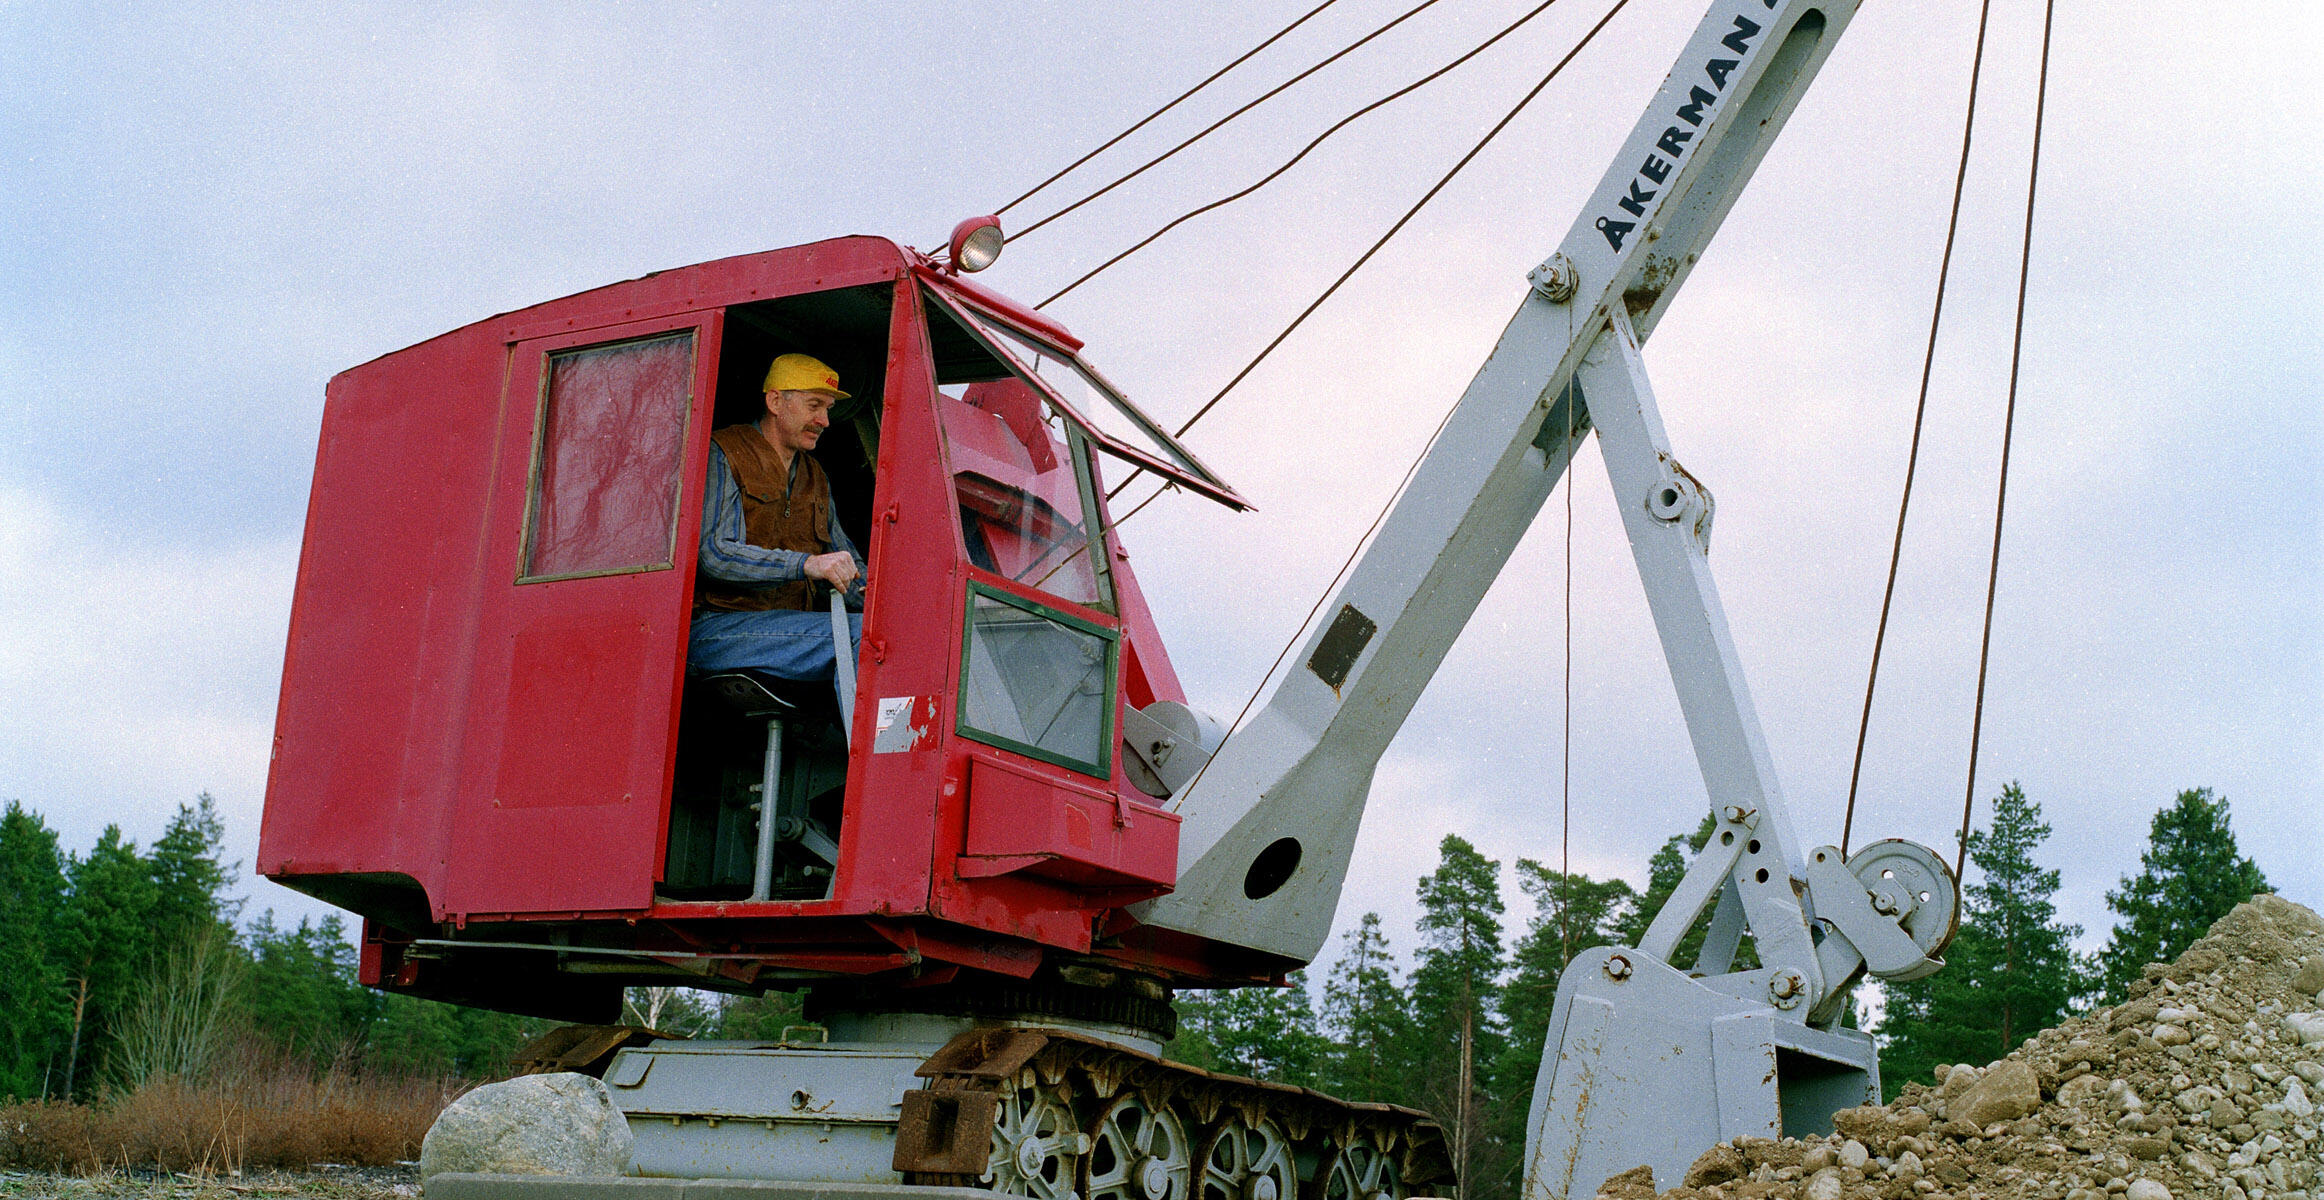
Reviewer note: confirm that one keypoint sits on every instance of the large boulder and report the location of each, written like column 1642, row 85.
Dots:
column 2006, row 1091
column 560, row 1124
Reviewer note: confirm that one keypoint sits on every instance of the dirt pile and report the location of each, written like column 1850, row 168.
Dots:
column 2206, row 1083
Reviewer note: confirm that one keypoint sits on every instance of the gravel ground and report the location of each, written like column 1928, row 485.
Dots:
column 325, row 1182
column 2203, row 1086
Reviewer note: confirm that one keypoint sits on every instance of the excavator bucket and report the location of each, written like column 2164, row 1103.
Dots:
column 1649, row 1066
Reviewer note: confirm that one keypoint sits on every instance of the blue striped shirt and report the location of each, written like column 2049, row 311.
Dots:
column 728, row 555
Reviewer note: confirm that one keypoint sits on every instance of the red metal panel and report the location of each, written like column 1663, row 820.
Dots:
column 1041, row 825
column 565, row 783
column 887, row 838
column 375, row 670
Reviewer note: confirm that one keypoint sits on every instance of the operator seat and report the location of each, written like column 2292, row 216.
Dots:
column 783, row 818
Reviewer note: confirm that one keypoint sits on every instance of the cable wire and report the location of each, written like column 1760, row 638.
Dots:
column 1384, row 238
column 1142, row 122
column 1207, row 130
column 1294, row 160
column 1919, row 415
column 1332, row 588
column 1565, row 775
column 2008, row 428
column 1329, row 590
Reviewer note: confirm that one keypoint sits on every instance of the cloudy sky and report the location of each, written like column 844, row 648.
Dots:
column 211, row 209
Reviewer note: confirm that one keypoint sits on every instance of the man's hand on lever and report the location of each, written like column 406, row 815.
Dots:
column 837, row 569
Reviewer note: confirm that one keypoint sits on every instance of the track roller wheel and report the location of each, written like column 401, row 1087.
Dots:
column 1249, row 1158
column 1036, row 1148
column 1362, row 1170
column 1139, row 1150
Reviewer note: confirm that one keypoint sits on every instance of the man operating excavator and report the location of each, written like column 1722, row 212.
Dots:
column 770, row 534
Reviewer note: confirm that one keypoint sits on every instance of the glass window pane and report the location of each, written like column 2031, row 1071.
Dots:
column 612, row 454
column 1116, row 422
column 1021, row 510
column 1034, row 683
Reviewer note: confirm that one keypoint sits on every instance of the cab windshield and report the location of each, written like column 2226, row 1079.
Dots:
column 1087, row 400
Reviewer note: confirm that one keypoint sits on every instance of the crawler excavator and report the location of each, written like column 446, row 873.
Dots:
column 995, row 849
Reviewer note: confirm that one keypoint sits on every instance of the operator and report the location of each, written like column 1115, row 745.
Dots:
column 770, row 534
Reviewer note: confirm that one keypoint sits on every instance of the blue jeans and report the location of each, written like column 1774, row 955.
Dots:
column 786, row 643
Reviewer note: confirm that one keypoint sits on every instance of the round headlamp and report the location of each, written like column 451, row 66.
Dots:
column 976, row 242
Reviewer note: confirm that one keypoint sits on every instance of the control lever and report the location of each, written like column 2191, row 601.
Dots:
column 843, row 656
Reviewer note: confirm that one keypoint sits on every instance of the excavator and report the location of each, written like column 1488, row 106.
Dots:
column 995, row 848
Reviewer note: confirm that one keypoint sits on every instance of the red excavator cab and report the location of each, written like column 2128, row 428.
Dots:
column 489, row 745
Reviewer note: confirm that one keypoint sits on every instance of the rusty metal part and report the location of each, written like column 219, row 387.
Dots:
column 1041, row 1112
column 583, row 1049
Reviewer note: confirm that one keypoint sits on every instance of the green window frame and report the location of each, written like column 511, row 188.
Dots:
column 1100, row 768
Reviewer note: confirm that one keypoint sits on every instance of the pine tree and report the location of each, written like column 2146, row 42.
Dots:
column 1664, row 871
column 1260, row 1032
column 1454, row 988
column 301, row 992
column 189, row 880
column 35, row 1016
column 2191, row 874
column 2011, row 970
column 106, row 944
column 1571, row 913
column 1366, row 1020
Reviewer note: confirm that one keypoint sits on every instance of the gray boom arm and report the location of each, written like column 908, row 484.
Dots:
column 1302, row 768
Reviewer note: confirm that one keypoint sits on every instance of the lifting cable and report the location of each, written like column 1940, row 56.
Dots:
column 1398, row 492
column 1565, row 772
column 1919, row 415
column 1207, row 130
column 2008, row 427
column 1142, row 122
column 1293, row 161
column 1375, row 247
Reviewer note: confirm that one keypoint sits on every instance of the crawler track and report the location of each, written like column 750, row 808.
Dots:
column 1059, row 1115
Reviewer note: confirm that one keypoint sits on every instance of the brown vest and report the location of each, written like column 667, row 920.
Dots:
column 780, row 511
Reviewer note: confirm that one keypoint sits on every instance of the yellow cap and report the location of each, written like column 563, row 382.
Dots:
column 800, row 373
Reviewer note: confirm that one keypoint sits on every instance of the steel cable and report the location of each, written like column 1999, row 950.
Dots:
column 1384, row 238
column 1355, row 552
column 1142, row 122
column 1294, row 160
column 1207, row 130
column 1919, row 415
column 2008, row 429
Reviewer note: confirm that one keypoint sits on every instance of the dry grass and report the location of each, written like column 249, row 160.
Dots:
column 262, row 1110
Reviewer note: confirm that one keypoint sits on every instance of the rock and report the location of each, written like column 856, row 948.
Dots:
column 1853, row 1155
column 1908, row 1166
column 1959, row 1080
column 2146, row 1189
column 1824, row 1185
column 2309, row 1071
column 2309, row 977
column 2147, row 1148
column 1867, row 1124
column 1817, row 1158
column 2305, row 1028
column 559, row 1124
column 2074, row 1091
column 1637, row 1183
column 2171, row 1035
column 2005, row 1092
column 2296, row 1101
column 1718, row 1164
